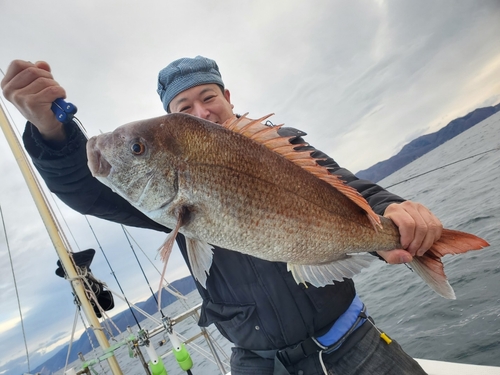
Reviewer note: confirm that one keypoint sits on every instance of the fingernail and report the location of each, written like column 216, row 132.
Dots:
column 405, row 259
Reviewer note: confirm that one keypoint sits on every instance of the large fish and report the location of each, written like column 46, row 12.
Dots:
column 242, row 186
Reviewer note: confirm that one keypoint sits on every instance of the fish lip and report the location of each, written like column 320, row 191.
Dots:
column 98, row 165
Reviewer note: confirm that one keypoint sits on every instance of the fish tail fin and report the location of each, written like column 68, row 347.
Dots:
column 429, row 266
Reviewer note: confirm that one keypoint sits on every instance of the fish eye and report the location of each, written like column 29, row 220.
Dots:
column 138, row 148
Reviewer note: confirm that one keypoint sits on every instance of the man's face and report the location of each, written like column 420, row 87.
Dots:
column 205, row 101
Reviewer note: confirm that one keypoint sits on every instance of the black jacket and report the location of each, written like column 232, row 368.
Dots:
column 256, row 304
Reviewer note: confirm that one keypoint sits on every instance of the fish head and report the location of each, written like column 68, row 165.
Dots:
column 139, row 161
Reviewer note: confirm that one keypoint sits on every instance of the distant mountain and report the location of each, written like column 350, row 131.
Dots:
column 426, row 143
column 122, row 321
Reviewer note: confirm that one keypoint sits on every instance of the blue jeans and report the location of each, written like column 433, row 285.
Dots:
column 369, row 356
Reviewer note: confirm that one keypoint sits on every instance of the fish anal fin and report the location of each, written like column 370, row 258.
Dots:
column 200, row 255
column 269, row 137
column 324, row 274
column 430, row 267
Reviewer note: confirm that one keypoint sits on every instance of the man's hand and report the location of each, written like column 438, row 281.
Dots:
column 32, row 89
column 418, row 227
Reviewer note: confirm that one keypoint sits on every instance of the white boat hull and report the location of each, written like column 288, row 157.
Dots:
column 449, row 368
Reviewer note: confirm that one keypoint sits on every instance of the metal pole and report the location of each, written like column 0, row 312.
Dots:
column 55, row 236
column 213, row 350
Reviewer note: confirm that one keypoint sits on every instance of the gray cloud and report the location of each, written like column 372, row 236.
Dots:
column 361, row 77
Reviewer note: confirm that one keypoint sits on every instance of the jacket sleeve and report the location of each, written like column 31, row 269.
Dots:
column 64, row 169
column 377, row 197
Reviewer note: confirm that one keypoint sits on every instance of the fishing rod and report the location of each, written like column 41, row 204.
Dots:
column 441, row 167
column 55, row 233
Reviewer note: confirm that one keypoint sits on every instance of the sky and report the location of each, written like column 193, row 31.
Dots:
column 362, row 78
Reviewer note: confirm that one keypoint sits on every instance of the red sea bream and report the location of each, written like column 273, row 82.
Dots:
column 243, row 187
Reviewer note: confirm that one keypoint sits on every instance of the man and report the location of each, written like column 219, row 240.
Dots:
column 277, row 326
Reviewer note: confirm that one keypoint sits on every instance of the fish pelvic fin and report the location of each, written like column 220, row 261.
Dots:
column 269, row 137
column 200, row 255
column 429, row 266
column 323, row 274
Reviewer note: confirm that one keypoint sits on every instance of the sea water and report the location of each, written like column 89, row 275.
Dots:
column 465, row 196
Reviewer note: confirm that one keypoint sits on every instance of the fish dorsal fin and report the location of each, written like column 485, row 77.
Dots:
column 269, row 137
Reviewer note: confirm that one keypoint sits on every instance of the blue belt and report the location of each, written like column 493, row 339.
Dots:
column 347, row 323
column 353, row 318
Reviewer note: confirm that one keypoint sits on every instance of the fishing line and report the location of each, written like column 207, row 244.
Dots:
column 168, row 286
column 17, row 291
column 75, row 321
column 113, row 273
column 441, row 167
column 142, row 269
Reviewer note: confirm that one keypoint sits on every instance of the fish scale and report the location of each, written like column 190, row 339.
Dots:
column 278, row 214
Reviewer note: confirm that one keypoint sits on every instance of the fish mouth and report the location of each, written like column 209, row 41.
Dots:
column 98, row 165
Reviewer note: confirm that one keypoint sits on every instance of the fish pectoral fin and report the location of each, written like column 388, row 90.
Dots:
column 324, row 274
column 200, row 257
column 165, row 250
